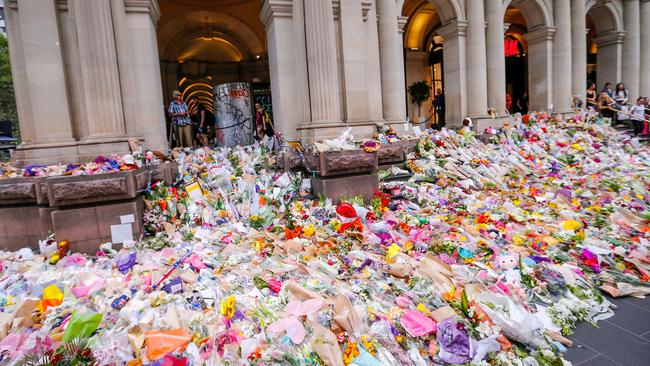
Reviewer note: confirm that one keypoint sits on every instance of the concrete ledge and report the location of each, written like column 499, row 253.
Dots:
column 23, row 226
column 77, row 190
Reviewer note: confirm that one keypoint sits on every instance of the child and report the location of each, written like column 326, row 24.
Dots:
column 638, row 111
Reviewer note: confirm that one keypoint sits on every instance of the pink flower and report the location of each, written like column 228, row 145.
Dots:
column 275, row 285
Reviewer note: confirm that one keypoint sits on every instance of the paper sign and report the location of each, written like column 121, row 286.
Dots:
column 194, row 191
column 121, row 233
column 127, row 219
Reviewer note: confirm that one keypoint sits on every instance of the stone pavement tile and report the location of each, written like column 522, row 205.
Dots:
column 631, row 317
column 601, row 360
column 579, row 353
column 615, row 343
column 642, row 303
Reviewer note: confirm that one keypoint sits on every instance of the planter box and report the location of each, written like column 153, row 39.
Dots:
column 83, row 189
column 289, row 160
column 391, row 153
column 165, row 172
column 410, row 146
column 22, row 191
column 337, row 163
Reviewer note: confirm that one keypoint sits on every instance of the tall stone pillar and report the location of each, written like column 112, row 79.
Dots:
column 373, row 67
column 455, row 66
column 477, row 88
column 645, row 48
column 562, row 76
column 579, row 48
column 355, row 87
column 324, row 87
column 540, row 68
column 277, row 16
column 390, row 56
column 145, row 116
column 99, row 70
column 39, row 78
column 496, row 62
column 610, row 54
column 631, row 47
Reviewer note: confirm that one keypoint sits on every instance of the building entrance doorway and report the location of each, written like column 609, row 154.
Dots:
column 515, row 52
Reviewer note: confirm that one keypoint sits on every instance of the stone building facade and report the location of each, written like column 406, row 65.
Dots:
column 89, row 74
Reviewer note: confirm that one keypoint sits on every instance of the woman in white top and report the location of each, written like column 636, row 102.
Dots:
column 620, row 95
column 638, row 113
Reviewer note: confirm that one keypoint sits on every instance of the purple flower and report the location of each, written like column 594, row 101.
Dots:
column 454, row 342
column 124, row 261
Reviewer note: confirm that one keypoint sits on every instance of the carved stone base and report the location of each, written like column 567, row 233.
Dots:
column 23, row 226
column 356, row 185
column 88, row 227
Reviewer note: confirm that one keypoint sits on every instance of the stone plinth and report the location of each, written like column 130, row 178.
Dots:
column 165, row 172
column 390, row 153
column 77, row 190
column 88, row 227
column 23, row 226
column 22, row 191
column 349, row 186
column 337, row 163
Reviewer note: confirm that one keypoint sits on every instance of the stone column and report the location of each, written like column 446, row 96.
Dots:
column 562, row 76
column 99, row 69
column 631, row 47
column 355, row 87
column 138, row 52
column 277, row 16
column 455, row 66
column 496, row 62
column 477, row 88
column 645, row 49
column 579, row 48
column 392, row 69
column 610, row 53
column 39, row 77
column 540, row 68
column 324, row 85
column 373, row 68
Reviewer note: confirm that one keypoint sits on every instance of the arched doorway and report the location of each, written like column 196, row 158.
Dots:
column 203, row 43
column 423, row 54
column 604, row 43
column 531, row 25
column 515, row 53
column 434, row 35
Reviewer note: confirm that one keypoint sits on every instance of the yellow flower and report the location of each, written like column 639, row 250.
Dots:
column 408, row 246
column 423, row 309
column 309, row 230
column 368, row 344
column 393, row 250
column 228, row 307
column 518, row 240
column 571, row 225
column 351, row 352
column 576, row 147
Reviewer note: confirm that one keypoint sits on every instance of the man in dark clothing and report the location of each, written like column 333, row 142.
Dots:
column 439, row 106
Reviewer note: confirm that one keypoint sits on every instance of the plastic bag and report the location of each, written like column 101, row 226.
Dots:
column 82, row 326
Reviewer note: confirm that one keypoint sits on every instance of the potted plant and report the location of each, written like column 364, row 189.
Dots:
column 419, row 92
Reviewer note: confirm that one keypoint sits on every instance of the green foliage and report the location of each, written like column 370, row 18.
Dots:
column 419, row 93
column 7, row 99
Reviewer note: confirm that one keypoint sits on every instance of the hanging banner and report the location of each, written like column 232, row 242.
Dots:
column 234, row 114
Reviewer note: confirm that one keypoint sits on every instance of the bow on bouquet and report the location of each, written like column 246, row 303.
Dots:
column 292, row 323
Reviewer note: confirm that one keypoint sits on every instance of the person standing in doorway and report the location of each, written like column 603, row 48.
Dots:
column 263, row 123
column 202, row 129
column 439, row 107
column 181, row 119
column 522, row 103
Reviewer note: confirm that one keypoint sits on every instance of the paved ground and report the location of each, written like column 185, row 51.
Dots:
column 622, row 340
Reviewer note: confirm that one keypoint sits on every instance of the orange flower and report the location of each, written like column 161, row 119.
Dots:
column 291, row 234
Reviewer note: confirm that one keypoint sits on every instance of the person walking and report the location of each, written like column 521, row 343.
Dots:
column 522, row 103
column 439, row 107
column 181, row 119
column 638, row 114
